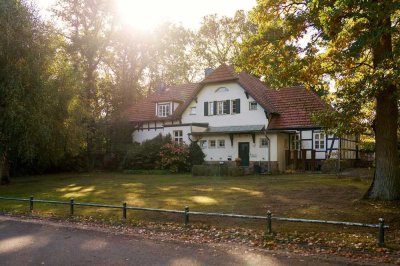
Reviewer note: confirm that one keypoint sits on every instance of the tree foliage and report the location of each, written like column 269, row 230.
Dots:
column 217, row 40
column 355, row 44
column 37, row 123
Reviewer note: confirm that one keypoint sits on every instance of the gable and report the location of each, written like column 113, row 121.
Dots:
column 146, row 109
column 286, row 108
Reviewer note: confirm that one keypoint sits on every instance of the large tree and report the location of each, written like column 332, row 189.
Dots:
column 35, row 92
column 88, row 26
column 171, row 59
column 354, row 43
column 218, row 38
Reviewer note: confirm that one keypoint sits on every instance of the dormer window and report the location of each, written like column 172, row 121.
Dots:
column 163, row 109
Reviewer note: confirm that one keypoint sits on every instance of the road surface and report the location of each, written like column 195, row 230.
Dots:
column 34, row 242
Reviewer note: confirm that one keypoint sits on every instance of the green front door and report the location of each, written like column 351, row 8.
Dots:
column 244, row 149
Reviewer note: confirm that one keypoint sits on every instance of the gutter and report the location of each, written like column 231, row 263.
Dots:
column 269, row 151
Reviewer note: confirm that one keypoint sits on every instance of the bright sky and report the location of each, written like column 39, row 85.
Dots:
column 146, row 14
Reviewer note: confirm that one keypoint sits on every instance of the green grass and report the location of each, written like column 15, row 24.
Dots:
column 313, row 196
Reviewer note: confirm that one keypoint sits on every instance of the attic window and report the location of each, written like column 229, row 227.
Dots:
column 163, row 109
column 222, row 89
column 253, row 105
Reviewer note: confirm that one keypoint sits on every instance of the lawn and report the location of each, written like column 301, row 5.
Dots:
column 312, row 196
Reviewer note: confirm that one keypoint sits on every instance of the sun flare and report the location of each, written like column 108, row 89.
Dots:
column 144, row 15
column 147, row 14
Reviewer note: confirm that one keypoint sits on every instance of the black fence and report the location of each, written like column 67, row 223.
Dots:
column 186, row 212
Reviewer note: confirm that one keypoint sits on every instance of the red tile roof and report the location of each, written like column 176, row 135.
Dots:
column 290, row 107
column 295, row 106
column 257, row 90
column 221, row 73
column 145, row 110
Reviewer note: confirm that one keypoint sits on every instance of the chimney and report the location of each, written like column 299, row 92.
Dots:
column 160, row 87
column 208, row 71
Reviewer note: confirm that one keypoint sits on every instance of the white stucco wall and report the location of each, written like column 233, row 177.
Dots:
column 209, row 94
column 256, row 153
column 146, row 134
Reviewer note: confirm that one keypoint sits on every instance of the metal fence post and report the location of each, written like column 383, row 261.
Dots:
column 269, row 222
column 31, row 203
column 186, row 215
column 381, row 235
column 124, row 210
column 71, row 207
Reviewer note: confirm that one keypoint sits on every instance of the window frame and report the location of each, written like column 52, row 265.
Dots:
column 210, row 141
column 220, row 108
column 164, row 109
column 264, row 145
column 222, row 89
column 193, row 110
column 318, row 140
column 211, row 108
column 178, row 138
column 220, row 141
column 203, row 144
column 235, row 107
column 253, row 106
column 295, row 142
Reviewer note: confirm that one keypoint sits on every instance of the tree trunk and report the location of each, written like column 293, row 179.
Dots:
column 386, row 184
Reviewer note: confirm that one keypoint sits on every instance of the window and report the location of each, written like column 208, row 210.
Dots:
column 178, row 136
column 253, row 105
column 220, row 108
column 163, row 109
column 236, row 106
column 222, row 89
column 319, row 141
column 210, row 108
column 295, row 142
column 263, row 143
column 203, row 144
column 211, row 144
column 193, row 110
column 221, row 143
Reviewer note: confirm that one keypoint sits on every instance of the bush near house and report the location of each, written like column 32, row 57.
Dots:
column 146, row 155
column 161, row 153
column 181, row 157
column 175, row 157
column 216, row 170
column 196, row 154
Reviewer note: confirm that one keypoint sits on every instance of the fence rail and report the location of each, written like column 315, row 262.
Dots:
column 268, row 218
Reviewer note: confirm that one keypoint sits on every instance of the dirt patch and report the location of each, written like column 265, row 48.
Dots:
column 364, row 173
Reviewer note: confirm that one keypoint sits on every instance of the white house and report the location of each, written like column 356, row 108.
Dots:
column 234, row 115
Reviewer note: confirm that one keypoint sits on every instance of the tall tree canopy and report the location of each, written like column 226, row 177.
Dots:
column 218, row 38
column 88, row 26
column 36, row 88
column 354, row 43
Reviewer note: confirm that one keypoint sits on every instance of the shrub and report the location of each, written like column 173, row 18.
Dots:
column 332, row 165
column 145, row 155
column 146, row 172
column 175, row 157
column 196, row 154
column 216, row 170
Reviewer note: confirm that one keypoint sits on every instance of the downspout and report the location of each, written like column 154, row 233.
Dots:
column 269, row 151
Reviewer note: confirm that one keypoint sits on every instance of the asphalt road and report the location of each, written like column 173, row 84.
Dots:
column 31, row 242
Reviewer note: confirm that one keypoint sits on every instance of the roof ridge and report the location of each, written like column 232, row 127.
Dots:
column 223, row 72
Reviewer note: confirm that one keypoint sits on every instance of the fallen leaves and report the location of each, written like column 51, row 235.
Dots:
column 355, row 246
